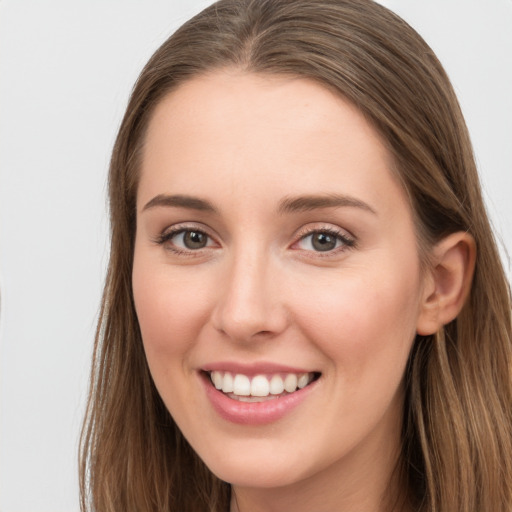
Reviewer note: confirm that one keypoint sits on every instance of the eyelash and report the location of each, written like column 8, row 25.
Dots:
column 347, row 242
column 166, row 236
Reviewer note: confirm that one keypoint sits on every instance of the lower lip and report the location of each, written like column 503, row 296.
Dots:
column 254, row 413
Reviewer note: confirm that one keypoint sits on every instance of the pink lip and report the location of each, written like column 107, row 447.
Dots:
column 262, row 368
column 254, row 413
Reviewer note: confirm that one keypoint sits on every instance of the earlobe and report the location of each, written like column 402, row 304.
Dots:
column 448, row 282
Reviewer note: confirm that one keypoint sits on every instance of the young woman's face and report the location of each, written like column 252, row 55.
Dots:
column 275, row 249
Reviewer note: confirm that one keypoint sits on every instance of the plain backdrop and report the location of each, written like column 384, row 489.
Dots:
column 66, row 70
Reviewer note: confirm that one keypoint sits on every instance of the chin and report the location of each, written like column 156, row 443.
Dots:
column 257, row 475
column 260, row 466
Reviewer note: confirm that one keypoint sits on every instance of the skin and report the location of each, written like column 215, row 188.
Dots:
column 259, row 291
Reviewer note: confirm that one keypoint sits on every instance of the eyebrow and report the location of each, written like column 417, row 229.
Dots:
column 287, row 205
column 314, row 202
column 180, row 201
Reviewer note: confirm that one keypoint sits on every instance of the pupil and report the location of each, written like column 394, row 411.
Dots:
column 194, row 240
column 324, row 242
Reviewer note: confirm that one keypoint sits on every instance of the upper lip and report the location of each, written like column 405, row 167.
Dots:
column 252, row 369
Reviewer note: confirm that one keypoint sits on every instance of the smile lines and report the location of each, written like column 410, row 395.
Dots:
column 241, row 387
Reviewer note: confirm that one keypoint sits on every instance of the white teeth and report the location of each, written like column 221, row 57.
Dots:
column 260, row 385
column 241, row 385
column 303, row 381
column 227, row 385
column 217, row 379
column 276, row 385
column 290, row 382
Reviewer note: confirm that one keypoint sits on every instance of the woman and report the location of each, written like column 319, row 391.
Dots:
column 305, row 308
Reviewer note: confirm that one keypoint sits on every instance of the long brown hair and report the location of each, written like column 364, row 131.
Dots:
column 457, row 441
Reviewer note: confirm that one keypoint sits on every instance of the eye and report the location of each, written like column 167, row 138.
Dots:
column 191, row 239
column 324, row 241
column 185, row 239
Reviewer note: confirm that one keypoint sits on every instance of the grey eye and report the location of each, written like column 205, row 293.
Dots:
column 320, row 241
column 323, row 241
column 192, row 239
column 186, row 239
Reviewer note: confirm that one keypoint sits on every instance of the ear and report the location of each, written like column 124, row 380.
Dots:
column 448, row 282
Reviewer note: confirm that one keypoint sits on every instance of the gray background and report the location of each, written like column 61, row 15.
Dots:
column 66, row 69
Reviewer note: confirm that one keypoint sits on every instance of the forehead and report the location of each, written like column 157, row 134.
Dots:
column 259, row 134
column 265, row 102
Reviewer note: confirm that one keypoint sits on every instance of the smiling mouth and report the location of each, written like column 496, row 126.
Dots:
column 260, row 388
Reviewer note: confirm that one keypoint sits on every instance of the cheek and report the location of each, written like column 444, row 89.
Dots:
column 170, row 311
column 365, row 323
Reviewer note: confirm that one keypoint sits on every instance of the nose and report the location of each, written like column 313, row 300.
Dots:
column 250, row 302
